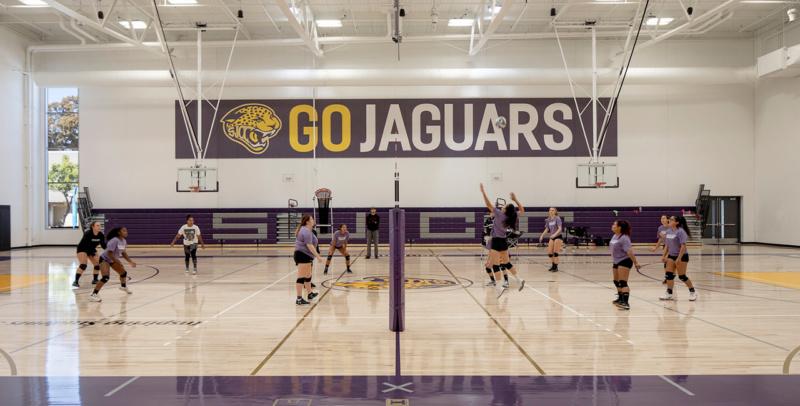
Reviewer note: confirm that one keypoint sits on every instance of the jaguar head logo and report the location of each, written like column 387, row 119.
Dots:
column 251, row 125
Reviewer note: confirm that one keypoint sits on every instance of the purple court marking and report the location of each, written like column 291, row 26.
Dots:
column 729, row 390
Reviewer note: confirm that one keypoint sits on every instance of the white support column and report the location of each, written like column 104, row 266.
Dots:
column 594, row 96
column 199, row 98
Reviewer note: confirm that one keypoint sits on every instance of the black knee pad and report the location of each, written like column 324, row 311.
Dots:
column 300, row 280
column 496, row 268
column 683, row 278
column 97, row 267
column 507, row 266
column 124, row 275
column 550, row 255
column 555, row 254
column 623, row 284
column 347, row 258
column 82, row 266
column 616, row 283
column 104, row 279
column 489, row 270
column 330, row 257
column 670, row 276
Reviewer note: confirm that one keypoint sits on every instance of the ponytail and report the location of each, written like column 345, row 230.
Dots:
column 114, row 233
column 624, row 227
column 682, row 224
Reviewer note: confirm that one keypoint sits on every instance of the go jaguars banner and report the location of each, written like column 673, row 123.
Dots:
column 536, row 127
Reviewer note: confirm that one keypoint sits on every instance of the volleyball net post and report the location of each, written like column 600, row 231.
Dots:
column 397, row 255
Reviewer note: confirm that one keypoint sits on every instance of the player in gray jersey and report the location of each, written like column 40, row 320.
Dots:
column 504, row 218
column 339, row 242
column 676, row 257
column 554, row 225
column 623, row 259
column 662, row 238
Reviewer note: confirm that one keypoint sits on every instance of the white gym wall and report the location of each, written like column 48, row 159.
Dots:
column 687, row 118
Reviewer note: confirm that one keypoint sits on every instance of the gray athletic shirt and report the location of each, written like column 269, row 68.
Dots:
column 674, row 240
column 662, row 232
column 115, row 246
column 499, row 223
column 305, row 236
column 339, row 239
column 552, row 225
column 620, row 245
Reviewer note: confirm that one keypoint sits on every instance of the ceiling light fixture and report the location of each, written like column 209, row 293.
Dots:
column 137, row 25
column 329, row 23
column 182, row 2
column 792, row 13
column 34, row 3
column 659, row 21
column 460, row 22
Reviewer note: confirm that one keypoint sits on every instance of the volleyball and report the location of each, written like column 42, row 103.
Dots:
column 501, row 122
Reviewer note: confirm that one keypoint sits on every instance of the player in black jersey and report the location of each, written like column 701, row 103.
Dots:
column 87, row 251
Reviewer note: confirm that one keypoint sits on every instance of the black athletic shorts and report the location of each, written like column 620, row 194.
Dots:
column 88, row 253
column 499, row 244
column 625, row 263
column 105, row 260
column 558, row 237
column 301, row 257
column 684, row 258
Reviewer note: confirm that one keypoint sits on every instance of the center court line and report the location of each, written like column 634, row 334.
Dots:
column 686, row 391
column 137, row 307
column 122, row 386
column 299, row 322
column 496, row 322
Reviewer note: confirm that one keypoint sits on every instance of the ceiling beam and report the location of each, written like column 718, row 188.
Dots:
column 89, row 23
column 496, row 21
column 312, row 43
column 691, row 24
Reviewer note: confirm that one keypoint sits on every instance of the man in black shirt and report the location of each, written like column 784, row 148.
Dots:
column 373, row 221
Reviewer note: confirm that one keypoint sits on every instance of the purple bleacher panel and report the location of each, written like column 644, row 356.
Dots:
column 422, row 224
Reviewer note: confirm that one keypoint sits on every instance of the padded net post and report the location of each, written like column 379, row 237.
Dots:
column 397, row 277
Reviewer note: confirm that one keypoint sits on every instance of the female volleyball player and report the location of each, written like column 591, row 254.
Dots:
column 191, row 234
column 110, row 258
column 339, row 242
column 662, row 234
column 304, row 252
column 623, row 259
column 87, row 251
column 553, row 224
column 504, row 218
column 676, row 256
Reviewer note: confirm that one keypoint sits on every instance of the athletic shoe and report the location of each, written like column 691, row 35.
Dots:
column 614, row 302
column 325, row 272
column 94, row 281
column 95, row 298
column 505, row 285
column 301, row 301
column 186, row 271
column 312, row 295
column 491, row 283
column 349, row 271
column 521, row 284
column 622, row 305
column 664, row 282
column 75, row 285
column 367, row 257
column 194, row 271
column 125, row 289
column 500, row 291
column 692, row 296
column 667, row 296
column 553, row 269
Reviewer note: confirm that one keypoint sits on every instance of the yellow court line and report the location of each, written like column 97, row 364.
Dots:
column 771, row 278
column 9, row 282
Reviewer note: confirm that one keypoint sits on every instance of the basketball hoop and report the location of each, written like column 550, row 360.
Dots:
column 194, row 189
column 600, row 185
column 323, row 194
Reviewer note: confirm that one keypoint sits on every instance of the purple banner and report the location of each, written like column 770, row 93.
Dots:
column 535, row 127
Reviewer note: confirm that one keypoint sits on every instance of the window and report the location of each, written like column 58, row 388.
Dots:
column 62, row 157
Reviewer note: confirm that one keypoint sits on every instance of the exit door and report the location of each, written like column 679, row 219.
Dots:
column 723, row 226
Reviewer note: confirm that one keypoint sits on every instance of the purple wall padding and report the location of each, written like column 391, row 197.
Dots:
column 397, row 261
column 159, row 226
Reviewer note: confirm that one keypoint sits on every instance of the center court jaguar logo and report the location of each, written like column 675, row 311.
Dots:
column 251, row 125
column 382, row 283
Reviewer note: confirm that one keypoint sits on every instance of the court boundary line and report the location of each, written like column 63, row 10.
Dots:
column 788, row 361
column 299, row 322
column 675, row 384
column 494, row 320
column 137, row 307
column 118, row 388
column 11, row 364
